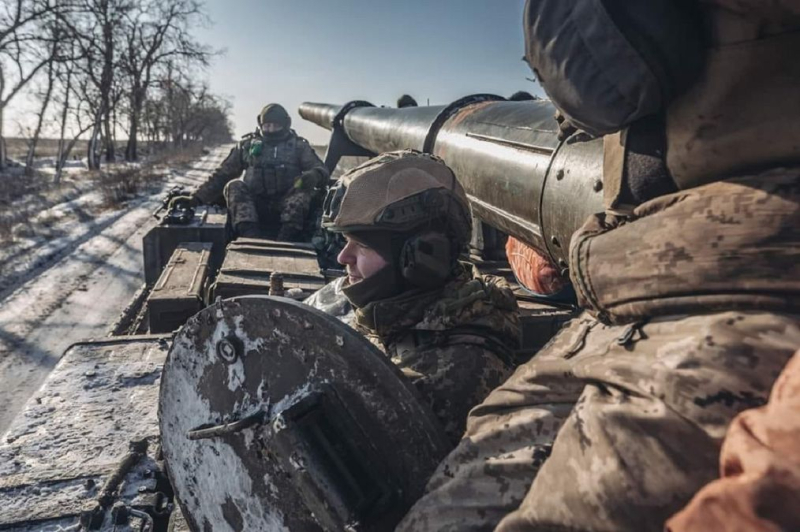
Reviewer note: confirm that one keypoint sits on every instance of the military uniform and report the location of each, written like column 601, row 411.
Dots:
column 610, row 418
column 760, row 469
column 692, row 312
column 450, row 330
column 455, row 344
column 281, row 173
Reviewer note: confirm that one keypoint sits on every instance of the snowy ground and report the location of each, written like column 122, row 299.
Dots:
column 70, row 282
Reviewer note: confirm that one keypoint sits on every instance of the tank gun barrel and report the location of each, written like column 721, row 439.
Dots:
column 518, row 176
column 321, row 114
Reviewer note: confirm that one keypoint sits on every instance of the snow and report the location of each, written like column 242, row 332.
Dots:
column 69, row 277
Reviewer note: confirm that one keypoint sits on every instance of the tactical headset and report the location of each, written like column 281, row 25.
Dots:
column 426, row 258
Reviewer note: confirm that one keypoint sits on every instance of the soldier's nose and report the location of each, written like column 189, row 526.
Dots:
column 346, row 257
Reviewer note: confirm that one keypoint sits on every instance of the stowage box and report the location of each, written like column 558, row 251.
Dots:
column 249, row 264
column 179, row 292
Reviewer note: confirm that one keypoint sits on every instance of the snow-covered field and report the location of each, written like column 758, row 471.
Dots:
column 71, row 269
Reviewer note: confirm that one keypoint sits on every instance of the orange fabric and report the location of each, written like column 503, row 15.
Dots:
column 533, row 270
column 760, row 468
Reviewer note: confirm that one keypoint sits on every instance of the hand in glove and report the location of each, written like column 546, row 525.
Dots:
column 188, row 201
column 306, row 181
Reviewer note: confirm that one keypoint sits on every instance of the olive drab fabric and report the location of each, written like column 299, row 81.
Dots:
column 616, row 426
column 759, row 488
column 455, row 344
column 399, row 191
column 280, row 175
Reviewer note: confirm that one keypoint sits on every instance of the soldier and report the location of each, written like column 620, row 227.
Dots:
column 450, row 330
column 281, row 173
column 691, row 279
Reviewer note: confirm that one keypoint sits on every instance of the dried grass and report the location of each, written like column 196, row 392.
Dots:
column 24, row 197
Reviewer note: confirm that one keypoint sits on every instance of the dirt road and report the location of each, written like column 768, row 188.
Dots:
column 78, row 296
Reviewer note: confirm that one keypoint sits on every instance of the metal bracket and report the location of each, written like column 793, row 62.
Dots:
column 212, row 431
column 340, row 145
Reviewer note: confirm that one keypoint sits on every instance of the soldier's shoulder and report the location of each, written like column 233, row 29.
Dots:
column 247, row 139
column 300, row 139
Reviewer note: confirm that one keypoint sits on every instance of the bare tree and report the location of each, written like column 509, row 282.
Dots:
column 157, row 32
column 20, row 55
column 78, row 115
column 46, row 95
column 96, row 30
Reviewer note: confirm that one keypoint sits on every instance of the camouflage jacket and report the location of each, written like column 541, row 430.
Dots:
column 618, row 421
column 454, row 344
column 271, row 167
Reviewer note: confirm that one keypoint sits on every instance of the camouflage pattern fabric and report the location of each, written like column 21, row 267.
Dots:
column 618, row 421
column 291, row 209
column 727, row 245
column 293, row 213
column 454, row 344
column 760, row 469
column 596, row 433
column 280, row 176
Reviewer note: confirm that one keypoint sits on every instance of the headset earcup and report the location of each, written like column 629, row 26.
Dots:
column 426, row 260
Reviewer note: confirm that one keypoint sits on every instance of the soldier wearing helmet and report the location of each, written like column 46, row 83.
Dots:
column 449, row 329
column 690, row 280
column 281, row 173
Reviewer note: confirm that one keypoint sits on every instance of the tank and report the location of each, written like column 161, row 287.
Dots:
column 85, row 452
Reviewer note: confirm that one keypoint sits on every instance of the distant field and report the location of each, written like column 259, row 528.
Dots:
column 18, row 148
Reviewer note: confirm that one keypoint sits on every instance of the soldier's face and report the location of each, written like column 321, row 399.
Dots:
column 270, row 127
column 360, row 260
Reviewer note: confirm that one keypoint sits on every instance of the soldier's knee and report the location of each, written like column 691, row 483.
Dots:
column 235, row 188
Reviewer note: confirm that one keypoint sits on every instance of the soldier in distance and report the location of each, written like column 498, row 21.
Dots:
column 690, row 278
column 281, row 175
column 450, row 330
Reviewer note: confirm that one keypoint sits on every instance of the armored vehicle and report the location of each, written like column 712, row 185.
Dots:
column 88, row 451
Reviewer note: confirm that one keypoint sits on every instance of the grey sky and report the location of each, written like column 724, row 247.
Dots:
column 290, row 51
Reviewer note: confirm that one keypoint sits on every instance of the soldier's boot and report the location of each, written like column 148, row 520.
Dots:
column 249, row 230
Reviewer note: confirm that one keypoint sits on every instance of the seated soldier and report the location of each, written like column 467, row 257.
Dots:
column 448, row 328
column 281, row 172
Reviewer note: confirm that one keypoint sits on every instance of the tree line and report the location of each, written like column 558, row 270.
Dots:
column 100, row 67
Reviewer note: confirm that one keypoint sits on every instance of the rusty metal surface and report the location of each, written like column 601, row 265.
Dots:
column 572, row 192
column 518, row 176
column 240, row 370
column 74, row 433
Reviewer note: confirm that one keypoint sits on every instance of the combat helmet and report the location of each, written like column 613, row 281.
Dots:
column 408, row 197
column 276, row 114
